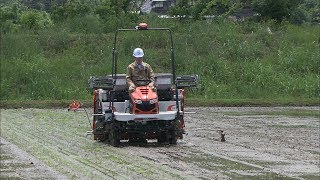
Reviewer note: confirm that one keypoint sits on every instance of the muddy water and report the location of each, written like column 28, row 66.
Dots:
column 265, row 143
column 16, row 163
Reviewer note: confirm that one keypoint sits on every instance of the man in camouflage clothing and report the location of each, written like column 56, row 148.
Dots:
column 139, row 70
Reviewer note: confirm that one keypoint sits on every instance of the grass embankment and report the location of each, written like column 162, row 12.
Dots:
column 238, row 63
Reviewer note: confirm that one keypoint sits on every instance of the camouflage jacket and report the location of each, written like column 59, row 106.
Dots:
column 139, row 72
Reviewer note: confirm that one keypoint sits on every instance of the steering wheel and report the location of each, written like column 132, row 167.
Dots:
column 142, row 82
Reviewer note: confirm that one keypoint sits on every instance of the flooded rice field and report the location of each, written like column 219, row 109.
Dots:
column 261, row 143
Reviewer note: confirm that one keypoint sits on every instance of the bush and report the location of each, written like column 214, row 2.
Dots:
column 70, row 10
column 35, row 20
column 299, row 16
column 87, row 24
column 9, row 18
column 54, row 41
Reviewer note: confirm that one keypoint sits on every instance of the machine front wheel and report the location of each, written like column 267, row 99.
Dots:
column 162, row 138
column 114, row 138
column 172, row 137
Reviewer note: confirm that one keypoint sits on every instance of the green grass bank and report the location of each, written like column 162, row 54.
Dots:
column 238, row 62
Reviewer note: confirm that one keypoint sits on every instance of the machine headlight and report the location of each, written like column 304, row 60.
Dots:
column 152, row 101
column 138, row 101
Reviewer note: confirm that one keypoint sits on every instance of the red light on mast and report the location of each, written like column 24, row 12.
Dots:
column 143, row 26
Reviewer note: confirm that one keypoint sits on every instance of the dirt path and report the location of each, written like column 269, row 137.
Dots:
column 262, row 143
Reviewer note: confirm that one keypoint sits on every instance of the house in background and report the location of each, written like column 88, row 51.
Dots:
column 161, row 6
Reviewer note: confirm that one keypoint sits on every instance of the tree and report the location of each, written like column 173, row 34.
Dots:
column 312, row 8
column 135, row 5
column 214, row 7
column 182, row 9
column 10, row 17
column 276, row 9
column 200, row 8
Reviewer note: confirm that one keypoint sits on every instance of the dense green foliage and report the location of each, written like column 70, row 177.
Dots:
column 295, row 11
column 46, row 56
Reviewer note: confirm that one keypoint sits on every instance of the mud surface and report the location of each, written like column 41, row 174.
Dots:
column 17, row 164
column 261, row 143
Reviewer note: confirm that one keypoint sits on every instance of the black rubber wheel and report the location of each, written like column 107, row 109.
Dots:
column 114, row 138
column 162, row 138
column 172, row 137
column 101, row 137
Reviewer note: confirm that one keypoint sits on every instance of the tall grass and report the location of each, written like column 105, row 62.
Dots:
column 234, row 60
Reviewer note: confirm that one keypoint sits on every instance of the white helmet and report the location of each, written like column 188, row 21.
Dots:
column 138, row 53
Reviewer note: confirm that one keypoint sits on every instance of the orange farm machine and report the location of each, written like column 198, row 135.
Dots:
column 144, row 114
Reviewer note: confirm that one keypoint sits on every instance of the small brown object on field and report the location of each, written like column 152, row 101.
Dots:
column 222, row 136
